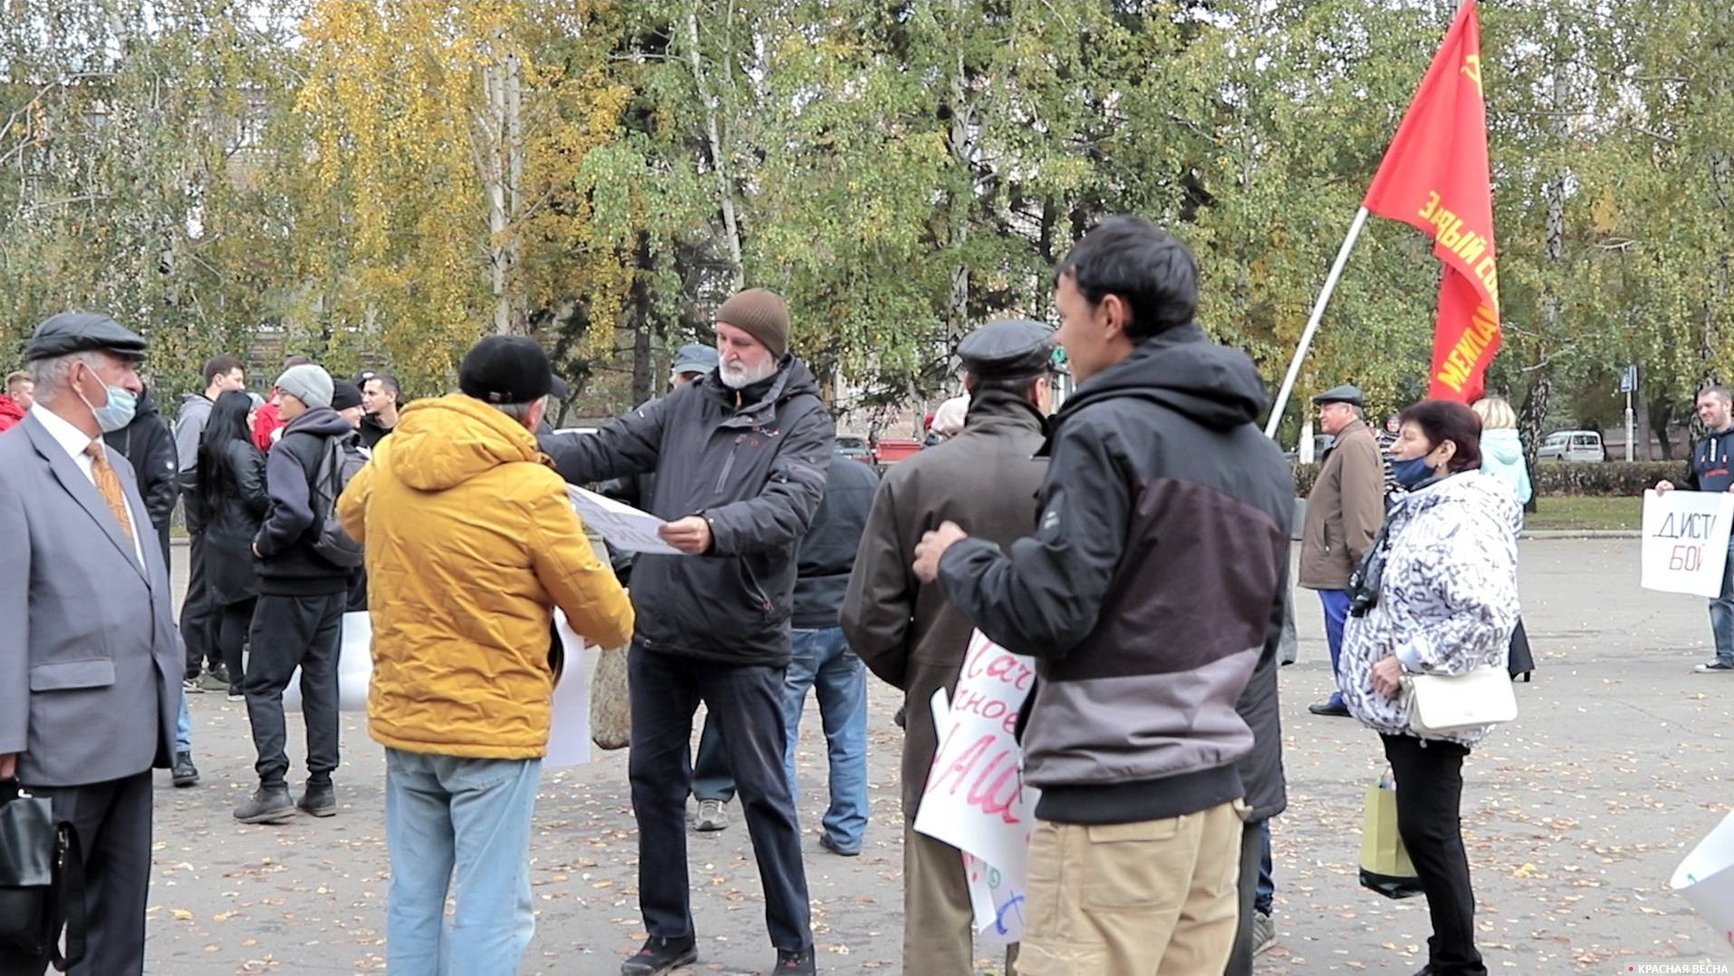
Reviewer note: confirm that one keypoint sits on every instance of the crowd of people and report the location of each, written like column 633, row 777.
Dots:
column 1134, row 544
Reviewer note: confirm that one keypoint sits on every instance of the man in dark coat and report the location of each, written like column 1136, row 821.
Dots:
column 740, row 460
column 823, row 662
column 149, row 444
column 984, row 478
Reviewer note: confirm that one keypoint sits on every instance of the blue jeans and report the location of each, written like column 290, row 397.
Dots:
column 463, row 823
column 1264, row 897
column 823, row 662
column 711, row 779
column 1336, row 604
column 184, row 728
column 1722, row 612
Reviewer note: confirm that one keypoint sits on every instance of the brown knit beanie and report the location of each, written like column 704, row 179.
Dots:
column 761, row 314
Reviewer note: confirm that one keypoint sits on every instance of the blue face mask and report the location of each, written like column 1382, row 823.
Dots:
column 117, row 412
column 1411, row 472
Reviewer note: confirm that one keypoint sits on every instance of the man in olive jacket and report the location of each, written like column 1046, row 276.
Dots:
column 1344, row 512
column 740, row 459
column 984, row 479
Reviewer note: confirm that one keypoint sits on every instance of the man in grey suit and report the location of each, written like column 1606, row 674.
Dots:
column 90, row 661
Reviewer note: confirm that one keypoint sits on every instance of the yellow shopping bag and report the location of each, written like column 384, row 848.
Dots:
column 1385, row 864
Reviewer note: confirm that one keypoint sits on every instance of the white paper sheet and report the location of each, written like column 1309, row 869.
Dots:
column 622, row 525
column 569, row 738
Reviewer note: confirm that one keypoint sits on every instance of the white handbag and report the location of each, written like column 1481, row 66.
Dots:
column 1440, row 704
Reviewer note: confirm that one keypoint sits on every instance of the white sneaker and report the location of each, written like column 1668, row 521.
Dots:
column 711, row 816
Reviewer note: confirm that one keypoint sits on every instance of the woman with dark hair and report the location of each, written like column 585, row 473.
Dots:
column 232, row 496
column 1436, row 594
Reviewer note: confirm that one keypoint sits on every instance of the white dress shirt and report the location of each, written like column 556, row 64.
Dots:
column 75, row 442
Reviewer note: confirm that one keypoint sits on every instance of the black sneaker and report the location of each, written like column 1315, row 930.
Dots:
column 1717, row 666
column 184, row 772
column 320, row 799
column 1332, row 707
column 270, row 804
column 828, row 844
column 795, row 962
column 659, row 956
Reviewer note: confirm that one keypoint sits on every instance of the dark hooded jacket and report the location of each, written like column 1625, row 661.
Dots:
column 149, row 445
column 828, row 551
column 752, row 462
column 1150, row 594
column 288, row 566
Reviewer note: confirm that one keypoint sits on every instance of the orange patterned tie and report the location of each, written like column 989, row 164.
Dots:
column 108, row 483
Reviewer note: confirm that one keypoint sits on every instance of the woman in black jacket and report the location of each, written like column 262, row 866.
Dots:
column 233, row 502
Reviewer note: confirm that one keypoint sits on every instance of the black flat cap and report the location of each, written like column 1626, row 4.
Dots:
column 70, row 332
column 1008, row 349
column 1347, row 393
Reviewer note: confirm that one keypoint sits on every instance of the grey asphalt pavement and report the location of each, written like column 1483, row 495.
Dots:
column 1575, row 816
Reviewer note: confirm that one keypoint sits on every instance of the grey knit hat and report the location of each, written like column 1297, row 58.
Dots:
column 308, row 383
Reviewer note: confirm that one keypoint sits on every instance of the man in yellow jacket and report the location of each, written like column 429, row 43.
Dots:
column 471, row 544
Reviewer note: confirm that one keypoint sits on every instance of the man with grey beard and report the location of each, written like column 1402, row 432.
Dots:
column 740, row 459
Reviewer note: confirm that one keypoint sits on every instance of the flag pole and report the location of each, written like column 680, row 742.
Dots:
column 1306, row 339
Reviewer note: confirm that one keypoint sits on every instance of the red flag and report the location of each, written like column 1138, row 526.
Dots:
column 1435, row 177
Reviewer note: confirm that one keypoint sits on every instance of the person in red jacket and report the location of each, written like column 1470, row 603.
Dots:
column 15, row 402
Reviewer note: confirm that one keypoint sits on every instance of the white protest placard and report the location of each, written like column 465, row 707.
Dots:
column 354, row 667
column 976, row 799
column 569, row 735
column 622, row 525
column 1706, row 879
column 1686, row 541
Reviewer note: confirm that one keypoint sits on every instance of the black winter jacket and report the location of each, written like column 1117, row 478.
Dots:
column 1151, row 591
column 149, row 445
column 752, row 462
column 827, row 554
column 287, row 563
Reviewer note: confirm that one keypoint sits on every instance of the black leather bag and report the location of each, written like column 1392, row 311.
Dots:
column 41, row 881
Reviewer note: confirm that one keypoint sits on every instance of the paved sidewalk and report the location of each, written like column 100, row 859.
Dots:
column 1576, row 816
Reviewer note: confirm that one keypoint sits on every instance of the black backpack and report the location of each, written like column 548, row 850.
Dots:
column 343, row 457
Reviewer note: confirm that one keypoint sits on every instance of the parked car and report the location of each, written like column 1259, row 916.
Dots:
column 1573, row 445
column 854, row 448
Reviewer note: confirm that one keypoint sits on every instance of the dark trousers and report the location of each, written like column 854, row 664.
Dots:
column 747, row 703
column 711, row 779
column 198, row 612
column 113, row 821
column 290, row 632
column 1429, row 798
column 232, row 627
column 1251, row 854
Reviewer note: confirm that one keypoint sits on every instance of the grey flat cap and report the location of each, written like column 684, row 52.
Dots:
column 1347, row 393
column 695, row 359
column 1008, row 349
column 70, row 332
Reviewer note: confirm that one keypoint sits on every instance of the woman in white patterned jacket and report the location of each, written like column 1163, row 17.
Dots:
column 1446, row 603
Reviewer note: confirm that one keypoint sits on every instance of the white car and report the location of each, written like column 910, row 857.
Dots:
column 1573, row 445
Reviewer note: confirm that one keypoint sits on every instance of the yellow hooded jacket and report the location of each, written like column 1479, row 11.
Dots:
column 471, row 543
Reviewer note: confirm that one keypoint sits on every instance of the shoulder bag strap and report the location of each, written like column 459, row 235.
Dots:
column 69, row 891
